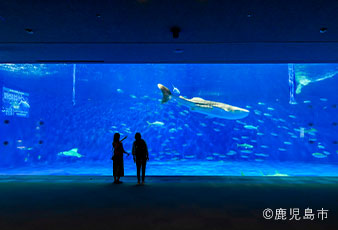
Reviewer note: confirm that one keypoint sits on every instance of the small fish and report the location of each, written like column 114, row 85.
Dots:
column 287, row 143
column 186, row 125
column 261, row 103
column 257, row 112
column 246, row 151
column 21, row 147
column 264, row 146
column 260, row 134
column 323, row 99
column 326, row 152
column 282, row 120
column 231, row 152
column 182, row 113
column 244, row 137
column 321, row 147
column 217, row 130
column 259, row 160
column 199, row 134
column 210, row 158
column 260, row 121
column 309, row 131
column 172, row 117
column 244, row 156
column 155, row 123
column 215, row 154
column 271, row 109
column 240, row 122
column 246, row 146
column 236, row 129
column 203, row 124
column 282, row 149
column 292, row 116
column 274, row 134
column 307, row 102
column 267, row 114
column 248, row 107
column 251, row 127
column 119, row 90
column 189, row 156
column 172, row 130
column 261, row 155
column 133, row 96
column 319, row 155
column 235, row 139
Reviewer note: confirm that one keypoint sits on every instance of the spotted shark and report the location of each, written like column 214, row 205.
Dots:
column 209, row 108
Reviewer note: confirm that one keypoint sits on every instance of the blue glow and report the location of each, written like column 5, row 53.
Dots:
column 218, row 119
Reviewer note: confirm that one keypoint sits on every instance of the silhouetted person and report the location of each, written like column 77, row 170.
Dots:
column 140, row 155
column 118, row 168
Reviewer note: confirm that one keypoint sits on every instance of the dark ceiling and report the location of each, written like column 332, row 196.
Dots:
column 138, row 31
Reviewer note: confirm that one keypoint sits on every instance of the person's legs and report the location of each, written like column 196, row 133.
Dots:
column 115, row 179
column 138, row 165
column 143, row 170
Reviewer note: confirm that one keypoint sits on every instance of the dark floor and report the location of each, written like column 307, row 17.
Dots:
column 66, row 202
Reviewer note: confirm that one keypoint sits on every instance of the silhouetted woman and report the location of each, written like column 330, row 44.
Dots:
column 118, row 168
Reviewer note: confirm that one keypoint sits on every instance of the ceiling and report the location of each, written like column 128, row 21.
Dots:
column 139, row 31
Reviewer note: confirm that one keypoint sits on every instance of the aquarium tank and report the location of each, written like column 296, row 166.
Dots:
column 197, row 119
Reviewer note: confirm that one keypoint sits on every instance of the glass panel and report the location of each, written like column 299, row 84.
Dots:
column 218, row 119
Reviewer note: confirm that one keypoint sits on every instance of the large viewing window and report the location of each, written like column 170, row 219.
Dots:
column 197, row 119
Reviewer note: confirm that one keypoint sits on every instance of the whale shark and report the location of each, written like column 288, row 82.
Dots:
column 209, row 108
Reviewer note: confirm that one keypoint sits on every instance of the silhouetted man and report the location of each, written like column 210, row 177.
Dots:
column 140, row 155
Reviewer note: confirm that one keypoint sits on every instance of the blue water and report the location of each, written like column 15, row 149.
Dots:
column 65, row 125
